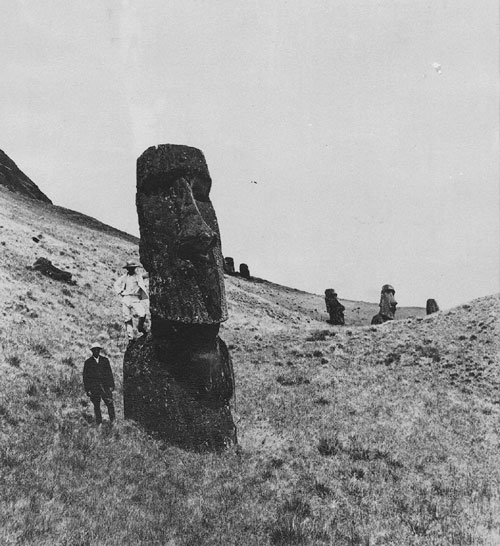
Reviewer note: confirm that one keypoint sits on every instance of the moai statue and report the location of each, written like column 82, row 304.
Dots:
column 333, row 307
column 229, row 266
column 178, row 380
column 244, row 271
column 387, row 303
column 431, row 306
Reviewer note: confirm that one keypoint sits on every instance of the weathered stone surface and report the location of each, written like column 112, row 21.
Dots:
column 15, row 180
column 180, row 240
column 431, row 306
column 387, row 303
column 244, row 271
column 229, row 265
column 178, row 381
column 48, row 269
column 334, row 308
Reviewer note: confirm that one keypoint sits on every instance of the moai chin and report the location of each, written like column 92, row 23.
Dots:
column 178, row 381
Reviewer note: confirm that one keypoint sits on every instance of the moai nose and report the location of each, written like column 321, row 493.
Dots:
column 196, row 238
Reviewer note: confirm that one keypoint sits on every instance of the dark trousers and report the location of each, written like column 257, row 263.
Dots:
column 107, row 398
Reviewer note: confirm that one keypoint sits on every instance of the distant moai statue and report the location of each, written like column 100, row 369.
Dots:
column 244, row 271
column 229, row 265
column 431, row 306
column 178, row 380
column 387, row 303
column 334, row 308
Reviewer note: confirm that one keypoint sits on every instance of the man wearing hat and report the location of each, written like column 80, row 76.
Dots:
column 98, row 382
column 133, row 291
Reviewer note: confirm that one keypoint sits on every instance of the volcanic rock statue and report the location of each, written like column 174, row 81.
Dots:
column 244, row 271
column 178, row 380
column 334, row 308
column 387, row 303
column 229, row 266
column 431, row 307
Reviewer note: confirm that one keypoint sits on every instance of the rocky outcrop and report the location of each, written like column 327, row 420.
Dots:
column 15, row 180
column 229, row 265
column 178, row 381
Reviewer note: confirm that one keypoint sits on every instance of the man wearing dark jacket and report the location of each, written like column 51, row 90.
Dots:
column 98, row 383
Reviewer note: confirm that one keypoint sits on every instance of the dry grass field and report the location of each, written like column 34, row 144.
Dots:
column 354, row 435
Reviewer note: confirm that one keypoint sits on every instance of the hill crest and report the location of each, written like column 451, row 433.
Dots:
column 16, row 181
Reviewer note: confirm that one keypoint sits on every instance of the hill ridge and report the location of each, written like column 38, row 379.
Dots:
column 16, row 181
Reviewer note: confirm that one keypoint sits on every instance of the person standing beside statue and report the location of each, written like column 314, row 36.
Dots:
column 133, row 292
column 99, row 383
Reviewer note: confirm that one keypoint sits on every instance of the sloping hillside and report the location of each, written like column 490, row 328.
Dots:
column 12, row 178
column 354, row 435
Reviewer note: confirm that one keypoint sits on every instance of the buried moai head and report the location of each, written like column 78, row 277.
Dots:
column 180, row 241
column 431, row 306
column 244, row 271
column 387, row 303
column 229, row 265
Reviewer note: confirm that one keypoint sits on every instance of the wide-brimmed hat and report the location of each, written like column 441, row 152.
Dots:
column 131, row 263
column 96, row 345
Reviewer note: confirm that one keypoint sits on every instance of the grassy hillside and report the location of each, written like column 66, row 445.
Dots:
column 353, row 435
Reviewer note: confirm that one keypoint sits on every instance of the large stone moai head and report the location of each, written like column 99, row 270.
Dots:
column 180, row 242
column 178, row 380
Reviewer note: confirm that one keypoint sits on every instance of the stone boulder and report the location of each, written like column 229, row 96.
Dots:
column 46, row 267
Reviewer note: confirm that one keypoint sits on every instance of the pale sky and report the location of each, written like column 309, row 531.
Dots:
column 370, row 126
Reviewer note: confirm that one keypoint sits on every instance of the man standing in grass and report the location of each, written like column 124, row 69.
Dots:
column 98, row 383
column 133, row 291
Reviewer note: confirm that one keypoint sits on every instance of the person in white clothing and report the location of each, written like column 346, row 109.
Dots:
column 133, row 292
